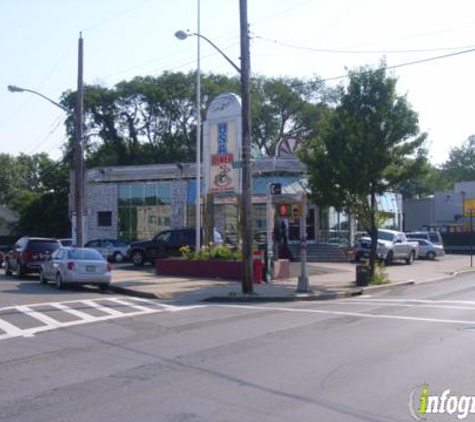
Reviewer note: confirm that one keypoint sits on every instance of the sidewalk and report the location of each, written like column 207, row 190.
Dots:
column 326, row 281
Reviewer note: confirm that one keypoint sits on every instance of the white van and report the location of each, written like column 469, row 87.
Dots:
column 433, row 237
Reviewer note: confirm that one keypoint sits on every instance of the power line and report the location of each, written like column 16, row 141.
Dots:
column 430, row 59
column 344, row 51
column 115, row 16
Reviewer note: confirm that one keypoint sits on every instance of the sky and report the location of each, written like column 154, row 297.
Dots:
column 299, row 38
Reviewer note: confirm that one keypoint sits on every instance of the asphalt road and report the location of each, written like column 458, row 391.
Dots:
column 83, row 356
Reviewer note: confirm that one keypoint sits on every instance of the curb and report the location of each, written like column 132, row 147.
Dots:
column 383, row 287
column 135, row 293
column 296, row 298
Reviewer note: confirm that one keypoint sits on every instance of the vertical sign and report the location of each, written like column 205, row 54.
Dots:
column 222, row 145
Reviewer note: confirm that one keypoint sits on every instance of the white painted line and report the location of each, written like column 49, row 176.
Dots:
column 10, row 329
column 355, row 314
column 405, row 305
column 172, row 308
column 456, row 302
column 102, row 308
column 45, row 319
column 75, row 312
column 131, row 305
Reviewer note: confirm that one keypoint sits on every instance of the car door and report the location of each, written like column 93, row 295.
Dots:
column 399, row 246
column 177, row 240
column 49, row 267
column 15, row 254
column 158, row 247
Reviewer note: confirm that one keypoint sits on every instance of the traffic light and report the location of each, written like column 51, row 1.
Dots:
column 285, row 210
column 296, row 211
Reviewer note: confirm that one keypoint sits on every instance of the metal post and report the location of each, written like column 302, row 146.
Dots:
column 78, row 152
column 246, row 210
column 471, row 237
column 303, row 278
column 198, row 137
column 270, row 246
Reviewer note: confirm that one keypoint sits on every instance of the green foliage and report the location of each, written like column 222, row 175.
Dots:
column 460, row 165
column 380, row 276
column 152, row 120
column 370, row 144
column 221, row 252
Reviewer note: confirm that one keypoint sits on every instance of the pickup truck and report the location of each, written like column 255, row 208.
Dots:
column 392, row 245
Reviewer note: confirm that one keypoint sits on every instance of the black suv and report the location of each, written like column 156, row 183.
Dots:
column 28, row 254
column 165, row 244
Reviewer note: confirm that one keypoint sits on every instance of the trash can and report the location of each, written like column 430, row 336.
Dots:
column 257, row 271
column 362, row 275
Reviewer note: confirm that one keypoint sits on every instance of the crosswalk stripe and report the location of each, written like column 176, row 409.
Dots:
column 45, row 319
column 131, row 305
column 81, row 315
column 102, row 308
column 10, row 329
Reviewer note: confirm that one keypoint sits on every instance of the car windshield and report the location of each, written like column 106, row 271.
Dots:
column 385, row 236
column 117, row 243
column 85, row 254
column 39, row 246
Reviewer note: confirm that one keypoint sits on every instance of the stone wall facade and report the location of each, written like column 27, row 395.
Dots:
column 101, row 197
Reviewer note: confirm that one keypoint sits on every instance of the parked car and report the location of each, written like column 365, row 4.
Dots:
column 66, row 242
column 1, row 258
column 112, row 249
column 433, row 237
column 392, row 245
column 427, row 250
column 28, row 254
column 165, row 244
column 76, row 266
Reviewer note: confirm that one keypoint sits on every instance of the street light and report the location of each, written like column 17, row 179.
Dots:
column 13, row 88
column 246, row 202
column 181, row 36
column 78, row 152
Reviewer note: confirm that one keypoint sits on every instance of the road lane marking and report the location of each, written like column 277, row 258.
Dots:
column 12, row 331
column 102, row 308
column 45, row 319
column 81, row 315
column 403, row 305
column 131, row 305
column 354, row 314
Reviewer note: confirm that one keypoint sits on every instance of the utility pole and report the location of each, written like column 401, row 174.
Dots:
column 78, row 152
column 246, row 207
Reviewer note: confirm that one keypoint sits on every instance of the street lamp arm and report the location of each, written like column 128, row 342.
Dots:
column 13, row 88
column 220, row 51
column 182, row 35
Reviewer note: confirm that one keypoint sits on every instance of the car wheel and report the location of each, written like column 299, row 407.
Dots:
column 20, row 272
column 389, row 258
column 103, row 287
column 138, row 258
column 43, row 278
column 117, row 257
column 8, row 270
column 59, row 281
column 430, row 255
column 410, row 260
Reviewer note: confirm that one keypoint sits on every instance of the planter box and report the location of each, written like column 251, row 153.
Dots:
column 213, row 268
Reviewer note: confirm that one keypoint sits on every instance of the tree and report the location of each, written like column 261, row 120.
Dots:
column 370, row 145
column 460, row 166
column 283, row 107
column 153, row 120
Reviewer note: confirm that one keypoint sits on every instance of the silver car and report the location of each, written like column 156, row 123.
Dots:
column 112, row 249
column 76, row 266
column 428, row 250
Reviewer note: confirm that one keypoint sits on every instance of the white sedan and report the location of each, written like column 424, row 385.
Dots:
column 76, row 266
column 428, row 250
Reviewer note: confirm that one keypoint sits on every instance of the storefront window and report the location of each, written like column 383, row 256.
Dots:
column 144, row 209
